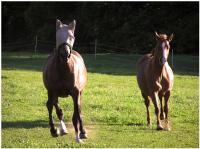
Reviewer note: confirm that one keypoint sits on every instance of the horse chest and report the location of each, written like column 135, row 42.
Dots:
column 80, row 74
column 65, row 81
column 62, row 87
column 167, row 78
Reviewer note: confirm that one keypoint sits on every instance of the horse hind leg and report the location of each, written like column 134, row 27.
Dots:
column 49, row 105
column 62, row 126
column 147, row 104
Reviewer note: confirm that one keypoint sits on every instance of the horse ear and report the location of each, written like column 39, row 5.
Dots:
column 170, row 37
column 58, row 24
column 72, row 26
column 157, row 36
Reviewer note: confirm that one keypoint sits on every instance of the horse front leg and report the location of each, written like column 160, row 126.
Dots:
column 83, row 134
column 62, row 127
column 166, row 108
column 154, row 97
column 147, row 104
column 162, row 114
column 49, row 105
column 76, row 119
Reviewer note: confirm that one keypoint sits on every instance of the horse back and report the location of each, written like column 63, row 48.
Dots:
column 64, row 78
column 49, row 75
column 79, row 70
column 142, row 69
column 148, row 80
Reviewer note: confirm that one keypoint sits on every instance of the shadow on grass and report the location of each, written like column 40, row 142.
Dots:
column 127, row 127
column 25, row 124
column 44, row 124
column 113, row 64
column 14, row 63
column 127, row 124
column 118, row 124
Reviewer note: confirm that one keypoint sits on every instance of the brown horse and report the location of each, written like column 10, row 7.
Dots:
column 155, row 79
column 65, row 74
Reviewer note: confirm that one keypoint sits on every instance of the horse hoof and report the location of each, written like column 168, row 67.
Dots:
column 79, row 140
column 54, row 132
column 167, row 129
column 159, row 127
column 83, row 136
column 64, row 132
column 149, row 125
column 162, row 117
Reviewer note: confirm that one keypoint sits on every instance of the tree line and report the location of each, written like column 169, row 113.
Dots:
column 127, row 24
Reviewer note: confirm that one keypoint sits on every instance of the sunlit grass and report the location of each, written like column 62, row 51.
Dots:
column 113, row 109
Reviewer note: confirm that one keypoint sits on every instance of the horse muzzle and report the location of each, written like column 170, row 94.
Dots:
column 162, row 60
column 65, row 54
column 65, row 57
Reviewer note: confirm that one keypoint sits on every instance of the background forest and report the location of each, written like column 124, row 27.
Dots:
column 127, row 24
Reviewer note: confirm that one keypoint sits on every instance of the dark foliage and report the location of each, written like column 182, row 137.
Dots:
column 128, row 24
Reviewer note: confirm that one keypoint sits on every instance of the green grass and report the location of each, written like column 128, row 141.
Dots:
column 113, row 109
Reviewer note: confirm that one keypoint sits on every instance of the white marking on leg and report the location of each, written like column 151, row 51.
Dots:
column 78, row 140
column 58, row 131
column 63, row 128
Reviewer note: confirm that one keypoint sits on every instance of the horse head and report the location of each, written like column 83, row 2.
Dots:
column 162, row 48
column 64, row 39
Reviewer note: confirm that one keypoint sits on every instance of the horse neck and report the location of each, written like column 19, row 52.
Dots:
column 62, row 67
column 155, row 64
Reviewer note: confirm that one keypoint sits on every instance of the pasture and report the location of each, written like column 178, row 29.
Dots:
column 113, row 109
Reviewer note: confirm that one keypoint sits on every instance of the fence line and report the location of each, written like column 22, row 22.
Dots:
column 94, row 48
column 46, row 42
column 35, row 46
column 47, row 46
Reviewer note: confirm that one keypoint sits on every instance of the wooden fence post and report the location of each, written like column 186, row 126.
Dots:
column 35, row 44
column 95, row 48
column 172, row 59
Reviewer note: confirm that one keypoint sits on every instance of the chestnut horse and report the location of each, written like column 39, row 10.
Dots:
column 65, row 74
column 155, row 79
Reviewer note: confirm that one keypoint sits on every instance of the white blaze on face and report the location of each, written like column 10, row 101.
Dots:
column 64, row 35
column 70, row 39
column 165, row 51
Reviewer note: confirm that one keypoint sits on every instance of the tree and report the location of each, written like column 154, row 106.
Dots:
column 128, row 24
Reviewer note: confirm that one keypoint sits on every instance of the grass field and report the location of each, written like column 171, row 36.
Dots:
column 113, row 109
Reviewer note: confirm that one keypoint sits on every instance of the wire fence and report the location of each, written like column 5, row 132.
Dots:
column 29, row 46
column 96, row 47
column 49, row 46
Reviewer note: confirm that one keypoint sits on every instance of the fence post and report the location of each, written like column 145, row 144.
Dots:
column 172, row 59
column 95, row 48
column 35, row 44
